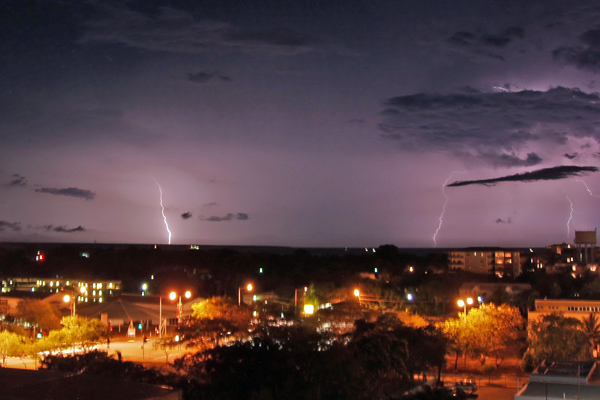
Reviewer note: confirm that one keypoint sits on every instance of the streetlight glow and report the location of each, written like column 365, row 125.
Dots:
column 249, row 287
column 188, row 294
column 172, row 295
column 356, row 292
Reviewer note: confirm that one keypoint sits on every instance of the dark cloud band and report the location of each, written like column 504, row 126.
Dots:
column 70, row 192
column 227, row 217
column 554, row 173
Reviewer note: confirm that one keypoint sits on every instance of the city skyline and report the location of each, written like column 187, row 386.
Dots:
column 304, row 124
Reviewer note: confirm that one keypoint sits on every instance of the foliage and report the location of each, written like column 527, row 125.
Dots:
column 39, row 313
column 297, row 362
column 555, row 337
column 11, row 345
column 492, row 330
column 99, row 363
column 591, row 328
column 484, row 332
column 78, row 332
column 216, row 317
column 166, row 344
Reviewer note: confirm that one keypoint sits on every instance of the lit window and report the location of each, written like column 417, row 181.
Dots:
column 99, row 286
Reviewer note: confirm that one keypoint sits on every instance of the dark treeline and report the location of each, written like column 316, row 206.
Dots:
column 213, row 272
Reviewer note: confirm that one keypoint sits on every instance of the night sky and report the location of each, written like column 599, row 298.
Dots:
column 299, row 123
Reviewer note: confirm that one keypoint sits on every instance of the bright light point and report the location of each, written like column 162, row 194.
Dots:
column 469, row 301
column 67, row 298
column 177, row 338
column 188, row 294
column 356, row 292
column 309, row 309
column 411, row 269
column 480, row 299
column 461, row 303
column 172, row 295
column 260, row 271
column 375, row 270
column 249, row 287
column 144, row 287
column 409, row 297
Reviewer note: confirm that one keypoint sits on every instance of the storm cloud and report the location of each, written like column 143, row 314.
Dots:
column 17, row 180
column 546, row 174
column 227, row 217
column 13, row 226
column 63, row 229
column 70, row 192
column 496, row 128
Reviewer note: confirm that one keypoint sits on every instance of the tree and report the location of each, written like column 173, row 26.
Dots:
column 166, row 344
column 216, row 316
column 492, row 330
column 78, row 331
column 39, row 313
column 456, row 337
column 555, row 337
column 11, row 345
column 591, row 328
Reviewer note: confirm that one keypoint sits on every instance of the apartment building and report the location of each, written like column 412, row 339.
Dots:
column 486, row 260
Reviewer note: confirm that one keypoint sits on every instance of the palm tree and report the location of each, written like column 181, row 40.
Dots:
column 591, row 327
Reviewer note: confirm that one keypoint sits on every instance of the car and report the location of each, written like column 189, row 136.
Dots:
column 467, row 385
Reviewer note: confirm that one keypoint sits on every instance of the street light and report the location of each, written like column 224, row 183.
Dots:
column 357, row 294
column 248, row 288
column 172, row 296
column 73, row 299
column 462, row 303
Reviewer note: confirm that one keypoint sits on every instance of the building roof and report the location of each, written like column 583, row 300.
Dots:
column 124, row 310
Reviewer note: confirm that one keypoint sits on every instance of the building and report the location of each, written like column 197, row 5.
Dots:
column 486, row 260
column 561, row 380
column 579, row 309
column 586, row 246
column 86, row 290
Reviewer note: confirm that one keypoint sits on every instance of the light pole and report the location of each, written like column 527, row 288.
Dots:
column 68, row 299
column 296, row 296
column 248, row 288
column 172, row 296
column 463, row 303
column 72, row 298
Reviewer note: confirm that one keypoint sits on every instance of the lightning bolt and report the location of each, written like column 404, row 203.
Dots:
column 588, row 188
column 570, row 216
column 163, row 208
column 444, row 207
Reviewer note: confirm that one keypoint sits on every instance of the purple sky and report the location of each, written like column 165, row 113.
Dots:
column 314, row 123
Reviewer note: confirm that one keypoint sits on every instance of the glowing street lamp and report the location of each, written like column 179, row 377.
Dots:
column 463, row 303
column 309, row 309
column 172, row 296
column 73, row 299
column 248, row 288
column 357, row 294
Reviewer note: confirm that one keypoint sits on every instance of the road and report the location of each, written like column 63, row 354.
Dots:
column 131, row 350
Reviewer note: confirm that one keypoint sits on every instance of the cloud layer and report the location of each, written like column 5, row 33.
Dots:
column 498, row 129
column 228, row 217
column 546, row 174
column 70, row 192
